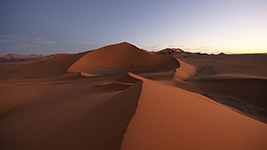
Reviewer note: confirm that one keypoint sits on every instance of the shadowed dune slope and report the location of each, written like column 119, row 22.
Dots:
column 172, row 118
column 248, row 89
column 122, row 57
column 86, row 113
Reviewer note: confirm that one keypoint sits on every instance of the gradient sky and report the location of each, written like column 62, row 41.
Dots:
column 64, row 26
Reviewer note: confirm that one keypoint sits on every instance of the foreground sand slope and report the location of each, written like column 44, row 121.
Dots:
column 172, row 118
column 70, row 113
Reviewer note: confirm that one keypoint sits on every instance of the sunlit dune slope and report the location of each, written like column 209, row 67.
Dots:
column 172, row 118
column 122, row 57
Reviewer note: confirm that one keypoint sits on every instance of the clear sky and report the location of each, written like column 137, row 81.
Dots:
column 64, row 26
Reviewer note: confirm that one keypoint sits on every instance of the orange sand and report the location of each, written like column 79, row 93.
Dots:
column 122, row 97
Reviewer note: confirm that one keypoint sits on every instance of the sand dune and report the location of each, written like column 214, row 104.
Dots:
column 122, row 97
column 185, row 71
column 122, row 57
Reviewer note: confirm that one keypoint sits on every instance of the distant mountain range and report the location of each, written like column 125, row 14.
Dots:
column 16, row 57
column 170, row 51
column 180, row 52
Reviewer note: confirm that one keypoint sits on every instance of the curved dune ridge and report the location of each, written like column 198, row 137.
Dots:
column 123, row 57
column 172, row 118
column 122, row 97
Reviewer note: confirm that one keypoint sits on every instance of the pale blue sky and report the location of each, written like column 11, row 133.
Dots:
column 64, row 26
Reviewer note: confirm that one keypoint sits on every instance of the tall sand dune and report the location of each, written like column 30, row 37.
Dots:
column 123, row 57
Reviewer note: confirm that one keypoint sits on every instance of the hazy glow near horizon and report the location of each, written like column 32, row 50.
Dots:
column 65, row 26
